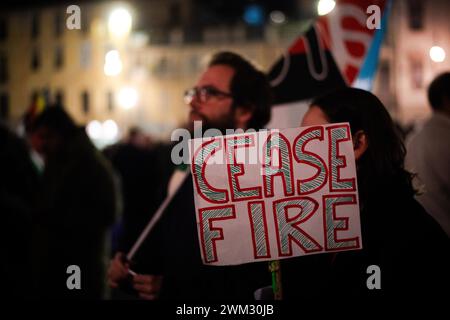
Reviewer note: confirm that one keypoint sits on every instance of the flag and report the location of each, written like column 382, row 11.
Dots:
column 329, row 55
column 368, row 70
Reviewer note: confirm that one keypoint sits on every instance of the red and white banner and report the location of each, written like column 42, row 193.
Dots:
column 328, row 56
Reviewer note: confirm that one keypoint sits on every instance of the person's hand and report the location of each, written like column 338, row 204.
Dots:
column 148, row 286
column 118, row 270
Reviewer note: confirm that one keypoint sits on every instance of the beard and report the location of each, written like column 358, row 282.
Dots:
column 221, row 124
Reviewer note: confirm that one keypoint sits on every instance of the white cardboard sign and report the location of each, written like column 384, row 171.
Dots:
column 275, row 194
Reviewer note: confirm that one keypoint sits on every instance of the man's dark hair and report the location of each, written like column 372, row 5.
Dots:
column 438, row 90
column 385, row 155
column 55, row 118
column 250, row 87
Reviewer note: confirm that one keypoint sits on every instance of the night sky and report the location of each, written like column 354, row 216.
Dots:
column 211, row 11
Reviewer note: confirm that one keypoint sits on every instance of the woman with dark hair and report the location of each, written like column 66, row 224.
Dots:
column 398, row 235
column 379, row 149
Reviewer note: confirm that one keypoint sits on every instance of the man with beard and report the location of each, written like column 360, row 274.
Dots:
column 230, row 94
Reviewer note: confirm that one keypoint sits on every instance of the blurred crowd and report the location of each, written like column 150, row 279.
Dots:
column 63, row 202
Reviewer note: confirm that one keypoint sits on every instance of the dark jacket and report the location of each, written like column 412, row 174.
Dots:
column 18, row 184
column 77, row 206
column 185, row 276
column 398, row 236
column 144, row 174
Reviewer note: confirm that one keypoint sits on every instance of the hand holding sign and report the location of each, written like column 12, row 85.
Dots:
column 275, row 194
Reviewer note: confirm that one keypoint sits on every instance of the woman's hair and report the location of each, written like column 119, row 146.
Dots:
column 385, row 155
column 439, row 90
column 56, row 118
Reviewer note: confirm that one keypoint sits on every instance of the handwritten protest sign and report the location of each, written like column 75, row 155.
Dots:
column 275, row 194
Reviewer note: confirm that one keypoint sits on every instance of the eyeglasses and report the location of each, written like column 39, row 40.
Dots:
column 203, row 94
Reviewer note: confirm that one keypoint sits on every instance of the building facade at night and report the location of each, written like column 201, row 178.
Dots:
column 139, row 78
column 406, row 68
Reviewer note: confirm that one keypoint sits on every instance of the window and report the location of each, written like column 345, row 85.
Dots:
column 193, row 64
column 164, row 102
column 3, row 29
column 162, row 67
column 192, row 35
column 59, row 97
column 254, row 32
column 34, row 96
column 110, row 101
column 3, row 68
column 85, row 22
column 58, row 25
column 59, row 57
column 383, row 84
column 4, row 106
column 85, row 102
column 85, row 54
column 35, row 26
column 35, row 59
column 45, row 92
column 415, row 14
column 385, row 76
column 175, row 15
column 416, row 73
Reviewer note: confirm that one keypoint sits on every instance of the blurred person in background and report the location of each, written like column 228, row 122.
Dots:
column 76, row 207
column 18, row 185
column 429, row 154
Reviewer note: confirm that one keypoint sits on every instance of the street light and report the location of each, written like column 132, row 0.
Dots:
column 102, row 134
column 119, row 22
column 437, row 54
column 113, row 64
column 277, row 17
column 94, row 130
column 127, row 98
column 110, row 130
column 325, row 6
